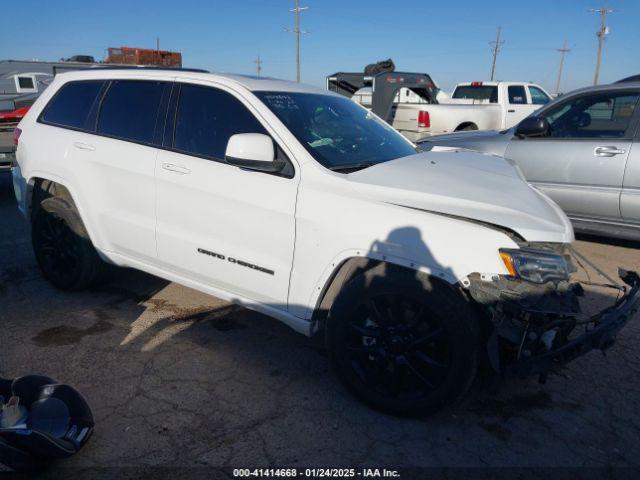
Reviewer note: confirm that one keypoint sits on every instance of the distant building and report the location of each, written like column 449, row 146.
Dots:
column 144, row 56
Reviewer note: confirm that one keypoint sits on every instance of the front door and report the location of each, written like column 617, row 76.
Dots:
column 581, row 163
column 218, row 224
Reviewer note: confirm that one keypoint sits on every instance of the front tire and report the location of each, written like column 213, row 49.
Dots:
column 402, row 342
column 62, row 245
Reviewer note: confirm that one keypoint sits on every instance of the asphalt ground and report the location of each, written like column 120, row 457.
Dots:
column 180, row 379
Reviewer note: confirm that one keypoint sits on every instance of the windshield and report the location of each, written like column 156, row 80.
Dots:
column 337, row 133
column 480, row 92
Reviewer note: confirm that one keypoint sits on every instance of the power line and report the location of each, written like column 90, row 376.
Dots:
column 258, row 63
column 297, row 31
column 604, row 31
column 562, row 51
column 495, row 46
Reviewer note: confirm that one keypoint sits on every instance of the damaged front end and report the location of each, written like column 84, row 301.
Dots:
column 535, row 312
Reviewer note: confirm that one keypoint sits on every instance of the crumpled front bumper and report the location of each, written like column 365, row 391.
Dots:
column 601, row 335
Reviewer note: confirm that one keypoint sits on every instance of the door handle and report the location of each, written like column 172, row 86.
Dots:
column 176, row 168
column 511, row 111
column 608, row 151
column 84, row 146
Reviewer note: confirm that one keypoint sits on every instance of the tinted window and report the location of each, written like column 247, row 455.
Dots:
column 604, row 115
column 335, row 131
column 517, row 95
column 130, row 109
column 477, row 92
column 538, row 97
column 25, row 82
column 207, row 117
column 70, row 106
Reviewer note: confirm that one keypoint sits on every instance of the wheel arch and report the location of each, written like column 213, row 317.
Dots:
column 352, row 266
column 466, row 126
column 42, row 185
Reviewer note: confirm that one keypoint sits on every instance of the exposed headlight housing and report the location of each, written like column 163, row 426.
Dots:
column 534, row 265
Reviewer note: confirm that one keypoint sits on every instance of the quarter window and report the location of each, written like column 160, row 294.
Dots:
column 517, row 96
column 71, row 105
column 605, row 115
column 130, row 110
column 207, row 118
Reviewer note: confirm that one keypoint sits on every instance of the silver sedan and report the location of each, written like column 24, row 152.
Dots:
column 579, row 149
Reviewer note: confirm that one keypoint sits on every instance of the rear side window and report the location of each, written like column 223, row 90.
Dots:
column 483, row 93
column 71, row 105
column 207, row 118
column 517, row 95
column 130, row 110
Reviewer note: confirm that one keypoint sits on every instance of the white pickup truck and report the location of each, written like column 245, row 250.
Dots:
column 473, row 106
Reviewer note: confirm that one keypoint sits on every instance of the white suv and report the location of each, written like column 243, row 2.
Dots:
column 300, row 204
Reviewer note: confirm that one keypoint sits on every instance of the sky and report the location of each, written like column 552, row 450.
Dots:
column 447, row 39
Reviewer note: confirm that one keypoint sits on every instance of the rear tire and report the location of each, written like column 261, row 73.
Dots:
column 402, row 342
column 62, row 245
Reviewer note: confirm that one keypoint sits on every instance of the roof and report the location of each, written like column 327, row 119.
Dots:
column 248, row 82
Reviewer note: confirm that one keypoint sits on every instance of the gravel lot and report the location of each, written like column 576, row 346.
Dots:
column 179, row 378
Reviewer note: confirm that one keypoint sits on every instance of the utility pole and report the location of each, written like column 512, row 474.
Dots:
column 495, row 46
column 158, row 50
column 604, row 30
column 297, row 31
column 562, row 51
column 258, row 63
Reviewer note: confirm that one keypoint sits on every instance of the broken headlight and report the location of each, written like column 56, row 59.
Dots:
column 534, row 265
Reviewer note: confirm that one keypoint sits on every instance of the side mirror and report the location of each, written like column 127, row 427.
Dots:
column 253, row 151
column 532, row 127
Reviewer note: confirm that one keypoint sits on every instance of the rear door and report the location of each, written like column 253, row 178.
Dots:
column 581, row 163
column 517, row 105
column 108, row 135
column 218, row 224
column 630, row 198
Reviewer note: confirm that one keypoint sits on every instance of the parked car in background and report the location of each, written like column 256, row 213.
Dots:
column 300, row 204
column 582, row 151
column 472, row 106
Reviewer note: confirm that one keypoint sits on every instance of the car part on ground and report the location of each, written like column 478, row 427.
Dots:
column 54, row 422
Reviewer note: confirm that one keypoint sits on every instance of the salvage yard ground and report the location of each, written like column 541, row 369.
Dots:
column 179, row 378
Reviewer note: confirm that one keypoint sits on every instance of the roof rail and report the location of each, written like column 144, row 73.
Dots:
column 65, row 68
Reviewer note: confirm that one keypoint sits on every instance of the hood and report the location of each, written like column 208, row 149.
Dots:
column 466, row 184
column 490, row 141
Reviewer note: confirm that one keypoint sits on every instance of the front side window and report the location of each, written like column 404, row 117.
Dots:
column 538, row 97
column 71, row 105
column 603, row 115
column 335, row 131
column 517, row 96
column 130, row 110
column 207, row 118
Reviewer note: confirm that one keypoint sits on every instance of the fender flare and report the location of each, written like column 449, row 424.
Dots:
column 31, row 181
column 350, row 263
